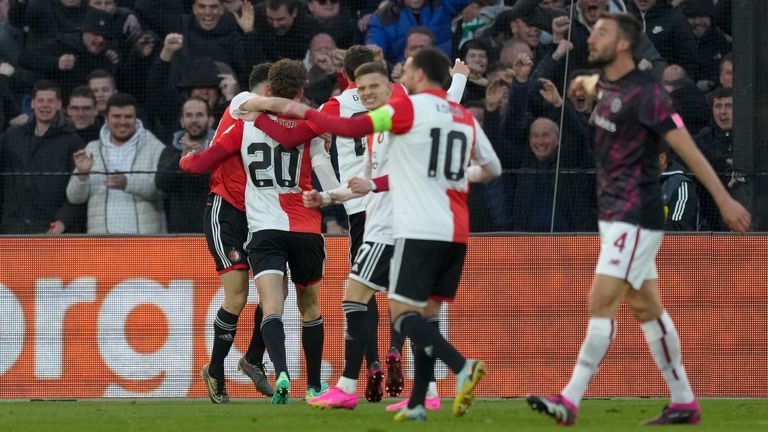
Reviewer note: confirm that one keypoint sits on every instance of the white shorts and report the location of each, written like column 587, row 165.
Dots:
column 628, row 252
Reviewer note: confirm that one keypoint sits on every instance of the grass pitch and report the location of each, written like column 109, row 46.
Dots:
column 260, row 415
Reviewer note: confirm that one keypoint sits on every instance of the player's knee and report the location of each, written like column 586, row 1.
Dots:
column 644, row 311
column 235, row 304
column 310, row 313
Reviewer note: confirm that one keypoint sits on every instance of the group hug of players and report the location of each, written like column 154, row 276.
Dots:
column 405, row 165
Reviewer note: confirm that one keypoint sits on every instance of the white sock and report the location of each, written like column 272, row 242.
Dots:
column 347, row 385
column 600, row 332
column 664, row 343
column 432, row 390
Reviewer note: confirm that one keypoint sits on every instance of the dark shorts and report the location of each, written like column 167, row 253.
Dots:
column 371, row 266
column 425, row 269
column 356, row 232
column 226, row 230
column 270, row 250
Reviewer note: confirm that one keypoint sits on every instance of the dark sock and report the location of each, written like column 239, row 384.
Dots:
column 372, row 348
column 312, row 337
column 356, row 339
column 255, row 354
column 434, row 322
column 224, row 328
column 423, row 371
column 397, row 339
column 424, row 335
column 274, row 339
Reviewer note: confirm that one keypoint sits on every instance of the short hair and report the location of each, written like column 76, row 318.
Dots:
column 287, row 78
column 420, row 30
column 664, row 147
column 581, row 72
column 82, row 92
column 434, row 64
column 371, row 67
column 722, row 92
column 259, row 74
column 277, row 4
column 100, row 73
column 475, row 44
column 208, row 110
column 629, row 26
column 121, row 100
column 46, row 85
column 356, row 56
column 726, row 58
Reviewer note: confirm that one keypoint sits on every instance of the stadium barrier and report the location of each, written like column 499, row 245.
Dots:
column 131, row 317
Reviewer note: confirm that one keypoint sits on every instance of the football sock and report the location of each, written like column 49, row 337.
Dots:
column 312, row 337
column 356, row 337
column 434, row 322
column 426, row 336
column 274, row 338
column 423, row 369
column 664, row 343
column 397, row 340
column 224, row 329
column 255, row 354
column 372, row 347
column 600, row 332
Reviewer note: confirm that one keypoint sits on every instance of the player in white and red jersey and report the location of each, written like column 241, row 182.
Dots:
column 226, row 230
column 281, row 230
column 433, row 141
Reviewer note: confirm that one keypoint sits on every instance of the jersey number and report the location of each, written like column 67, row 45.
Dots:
column 359, row 145
column 456, row 142
column 269, row 157
column 620, row 242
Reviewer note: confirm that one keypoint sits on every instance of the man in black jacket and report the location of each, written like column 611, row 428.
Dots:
column 716, row 143
column 33, row 202
column 678, row 192
column 283, row 30
column 711, row 44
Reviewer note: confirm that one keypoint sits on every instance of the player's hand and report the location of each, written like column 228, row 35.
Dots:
column 67, row 62
column 83, row 161
column 311, row 199
column 246, row 18
column 116, row 181
column 585, row 83
column 735, row 215
column 549, row 93
column 359, row 185
column 459, row 67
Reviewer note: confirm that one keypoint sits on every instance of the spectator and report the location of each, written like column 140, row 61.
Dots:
column 689, row 101
column 726, row 71
column 418, row 37
column 186, row 194
column 322, row 68
column 716, row 142
column 70, row 57
column 43, row 20
column 667, row 29
column 473, row 22
column 34, row 204
column 678, row 192
column 125, row 23
column 9, row 112
column 121, row 193
column 283, row 31
column 475, row 55
column 102, row 84
column 392, row 22
column 711, row 44
column 512, row 49
column 81, row 110
column 329, row 17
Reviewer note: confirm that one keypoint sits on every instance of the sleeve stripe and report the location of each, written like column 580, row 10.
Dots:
column 682, row 198
column 381, row 119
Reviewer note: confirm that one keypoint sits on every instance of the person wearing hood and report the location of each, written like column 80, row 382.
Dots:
column 43, row 20
column 186, row 194
column 669, row 32
column 711, row 43
column 678, row 193
column 115, row 175
column 35, row 204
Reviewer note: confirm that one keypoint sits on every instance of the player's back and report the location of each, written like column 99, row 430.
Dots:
column 428, row 164
column 276, row 179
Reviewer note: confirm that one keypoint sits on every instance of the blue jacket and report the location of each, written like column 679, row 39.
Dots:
column 390, row 25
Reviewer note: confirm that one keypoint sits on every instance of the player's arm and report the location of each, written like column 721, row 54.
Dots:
column 459, row 74
column 733, row 213
column 485, row 164
column 287, row 137
column 220, row 150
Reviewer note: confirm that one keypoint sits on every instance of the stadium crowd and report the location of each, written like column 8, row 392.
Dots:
column 139, row 82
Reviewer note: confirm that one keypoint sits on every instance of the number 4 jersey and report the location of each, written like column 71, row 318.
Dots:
column 277, row 177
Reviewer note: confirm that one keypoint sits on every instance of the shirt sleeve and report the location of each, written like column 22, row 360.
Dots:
column 332, row 107
column 397, row 116
column 287, row 137
column 234, row 105
column 657, row 111
column 222, row 148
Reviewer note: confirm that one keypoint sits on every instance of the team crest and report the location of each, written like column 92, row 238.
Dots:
column 234, row 255
column 616, row 105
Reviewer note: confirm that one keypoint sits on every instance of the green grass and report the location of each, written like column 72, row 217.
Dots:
column 259, row 415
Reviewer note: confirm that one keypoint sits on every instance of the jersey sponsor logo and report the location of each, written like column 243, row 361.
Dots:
column 604, row 123
column 614, row 262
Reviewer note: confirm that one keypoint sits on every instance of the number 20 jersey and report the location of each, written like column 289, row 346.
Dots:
column 432, row 141
column 276, row 179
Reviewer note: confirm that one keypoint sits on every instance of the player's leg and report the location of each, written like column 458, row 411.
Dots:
column 356, row 235
column 664, row 344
